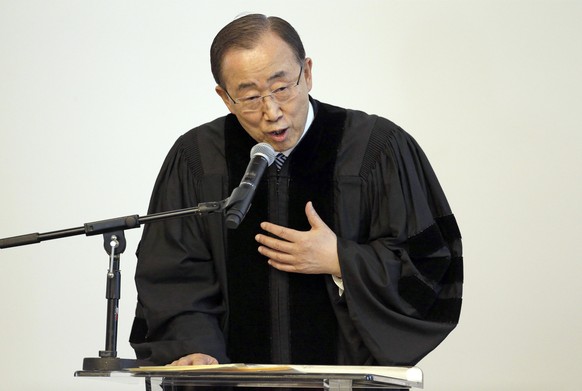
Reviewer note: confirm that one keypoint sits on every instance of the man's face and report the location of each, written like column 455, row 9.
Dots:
column 270, row 65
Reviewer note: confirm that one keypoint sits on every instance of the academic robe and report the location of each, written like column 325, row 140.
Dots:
column 204, row 288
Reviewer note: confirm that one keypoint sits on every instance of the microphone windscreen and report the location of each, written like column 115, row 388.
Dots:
column 265, row 150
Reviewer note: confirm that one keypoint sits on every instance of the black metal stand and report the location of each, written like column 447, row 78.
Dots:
column 114, row 244
column 113, row 231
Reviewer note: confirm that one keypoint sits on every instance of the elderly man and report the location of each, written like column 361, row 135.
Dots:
column 349, row 255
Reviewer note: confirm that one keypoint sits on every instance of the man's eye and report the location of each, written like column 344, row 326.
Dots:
column 250, row 98
column 280, row 90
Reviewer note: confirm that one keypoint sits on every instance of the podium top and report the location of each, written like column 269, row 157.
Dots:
column 261, row 375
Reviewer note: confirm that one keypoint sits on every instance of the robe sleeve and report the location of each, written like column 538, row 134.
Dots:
column 403, row 275
column 179, row 298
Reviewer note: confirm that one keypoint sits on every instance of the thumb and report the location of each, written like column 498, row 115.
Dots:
column 314, row 220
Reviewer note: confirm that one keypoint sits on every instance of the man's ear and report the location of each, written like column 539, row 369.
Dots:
column 227, row 101
column 307, row 66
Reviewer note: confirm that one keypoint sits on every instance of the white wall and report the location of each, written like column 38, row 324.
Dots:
column 93, row 94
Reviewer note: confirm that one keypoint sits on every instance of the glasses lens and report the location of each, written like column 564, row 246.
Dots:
column 251, row 104
column 282, row 95
column 279, row 96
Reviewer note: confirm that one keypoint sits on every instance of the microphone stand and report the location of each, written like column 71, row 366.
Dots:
column 113, row 231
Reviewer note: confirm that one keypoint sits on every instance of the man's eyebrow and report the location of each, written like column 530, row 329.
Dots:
column 277, row 75
column 274, row 76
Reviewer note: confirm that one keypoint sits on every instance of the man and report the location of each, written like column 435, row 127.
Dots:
column 349, row 254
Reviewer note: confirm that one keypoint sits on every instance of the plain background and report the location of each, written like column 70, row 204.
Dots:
column 94, row 93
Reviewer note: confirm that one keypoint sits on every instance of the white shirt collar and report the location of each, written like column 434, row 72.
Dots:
column 308, row 122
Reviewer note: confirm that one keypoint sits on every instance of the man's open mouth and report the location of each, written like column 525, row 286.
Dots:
column 278, row 132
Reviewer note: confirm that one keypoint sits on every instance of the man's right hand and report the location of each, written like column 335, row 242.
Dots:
column 195, row 359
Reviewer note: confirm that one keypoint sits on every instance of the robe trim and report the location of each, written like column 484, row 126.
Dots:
column 426, row 242
column 439, row 235
column 449, row 228
column 422, row 298
column 312, row 178
column 454, row 273
column 446, row 310
column 247, row 271
column 417, row 289
column 434, row 268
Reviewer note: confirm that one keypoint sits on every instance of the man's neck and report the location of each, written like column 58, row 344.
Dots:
column 308, row 122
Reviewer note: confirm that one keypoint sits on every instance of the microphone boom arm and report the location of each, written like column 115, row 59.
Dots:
column 112, row 225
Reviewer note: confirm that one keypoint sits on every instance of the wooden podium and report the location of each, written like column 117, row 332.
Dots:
column 273, row 376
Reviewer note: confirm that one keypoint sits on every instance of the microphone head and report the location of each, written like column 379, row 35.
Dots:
column 264, row 150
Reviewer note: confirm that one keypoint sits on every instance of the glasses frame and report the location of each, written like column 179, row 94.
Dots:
column 261, row 98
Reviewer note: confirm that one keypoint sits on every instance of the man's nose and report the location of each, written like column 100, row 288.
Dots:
column 271, row 109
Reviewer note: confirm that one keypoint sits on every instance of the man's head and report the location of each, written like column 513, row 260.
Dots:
column 263, row 77
column 245, row 32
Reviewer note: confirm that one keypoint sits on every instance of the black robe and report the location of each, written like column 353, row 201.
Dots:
column 203, row 288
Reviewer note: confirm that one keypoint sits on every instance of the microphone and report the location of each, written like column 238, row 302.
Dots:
column 239, row 202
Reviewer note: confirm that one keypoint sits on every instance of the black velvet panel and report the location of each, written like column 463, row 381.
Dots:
column 454, row 273
column 424, row 300
column 312, row 165
column 247, row 271
column 444, row 233
column 432, row 268
column 313, row 327
column 449, row 227
column 426, row 242
column 416, row 293
column 445, row 310
column 442, row 270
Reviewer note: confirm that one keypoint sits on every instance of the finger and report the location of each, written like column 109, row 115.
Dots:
column 276, row 255
column 211, row 360
column 279, row 231
column 195, row 359
column 274, row 243
column 179, row 362
column 187, row 360
column 282, row 266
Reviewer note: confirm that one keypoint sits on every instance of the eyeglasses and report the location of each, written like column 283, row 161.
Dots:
column 280, row 95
